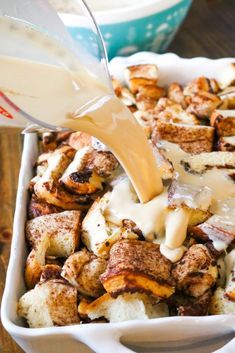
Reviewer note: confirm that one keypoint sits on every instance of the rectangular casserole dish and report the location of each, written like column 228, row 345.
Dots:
column 189, row 334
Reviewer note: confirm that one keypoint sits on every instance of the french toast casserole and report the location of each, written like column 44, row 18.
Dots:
column 96, row 254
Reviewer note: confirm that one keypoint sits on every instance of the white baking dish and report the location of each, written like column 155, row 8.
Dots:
column 189, row 334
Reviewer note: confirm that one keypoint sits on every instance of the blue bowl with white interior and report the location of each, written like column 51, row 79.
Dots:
column 143, row 25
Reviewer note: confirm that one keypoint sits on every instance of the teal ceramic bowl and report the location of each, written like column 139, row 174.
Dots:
column 149, row 26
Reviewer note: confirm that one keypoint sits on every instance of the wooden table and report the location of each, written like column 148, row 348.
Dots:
column 207, row 31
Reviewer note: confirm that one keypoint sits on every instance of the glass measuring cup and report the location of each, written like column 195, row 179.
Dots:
column 48, row 79
column 35, row 32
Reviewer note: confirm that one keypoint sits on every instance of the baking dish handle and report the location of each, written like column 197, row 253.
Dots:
column 106, row 341
column 109, row 340
column 228, row 348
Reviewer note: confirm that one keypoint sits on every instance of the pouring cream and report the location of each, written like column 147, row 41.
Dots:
column 74, row 98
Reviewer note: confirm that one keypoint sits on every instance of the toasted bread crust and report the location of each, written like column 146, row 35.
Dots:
column 51, row 140
column 137, row 266
column 224, row 125
column 208, row 231
column 33, row 269
column 176, row 94
column 136, row 282
column 141, row 75
column 205, row 161
column 35, row 262
column 183, row 305
column 203, row 103
column 82, row 270
column 201, row 83
column 226, row 144
column 196, row 272
column 194, row 199
column 50, row 272
column 192, row 139
column 79, row 139
column 52, row 187
column 37, row 208
column 228, row 97
column 147, row 96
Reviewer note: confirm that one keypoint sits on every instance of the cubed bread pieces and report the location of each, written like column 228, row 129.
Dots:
column 148, row 96
column 170, row 111
column 128, row 306
column 102, row 163
column 138, row 76
column 37, row 208
column 137, row 266
column 82, row 270
column 175, row 115
column 201, row 96
column 191, row 138
column 47, row 187
column 80, row 173
column 196, row 272
column 203, row 103
column 164, row 165
column 96, row 234
column 190, row 196
column 51, row 140
column 78, row 177
column 140, row 282
column 220, row 305
column 228, row 98
column 79, row 139
column 176, row 94
column 224, row 122
column 226, row 144
column 184, row 305
column 65, row 150
column 35, row 262
column 230, row 275
column 227, row 76
column 195, row 199
column 51, row 303
column 124, row 94
column 99, row 235
column 56, row 235
column 150, row 91
column 127, row 97
column 199, row 84
column 143, row 122
column 59, row 159
column 204, row 161
column 62, row 230
column 50, row 271
column 217, row 229
column 223, row 299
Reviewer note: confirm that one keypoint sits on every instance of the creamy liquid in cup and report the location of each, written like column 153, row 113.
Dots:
column 74, row 98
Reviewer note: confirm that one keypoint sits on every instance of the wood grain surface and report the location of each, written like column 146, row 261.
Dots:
column 208, row 31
